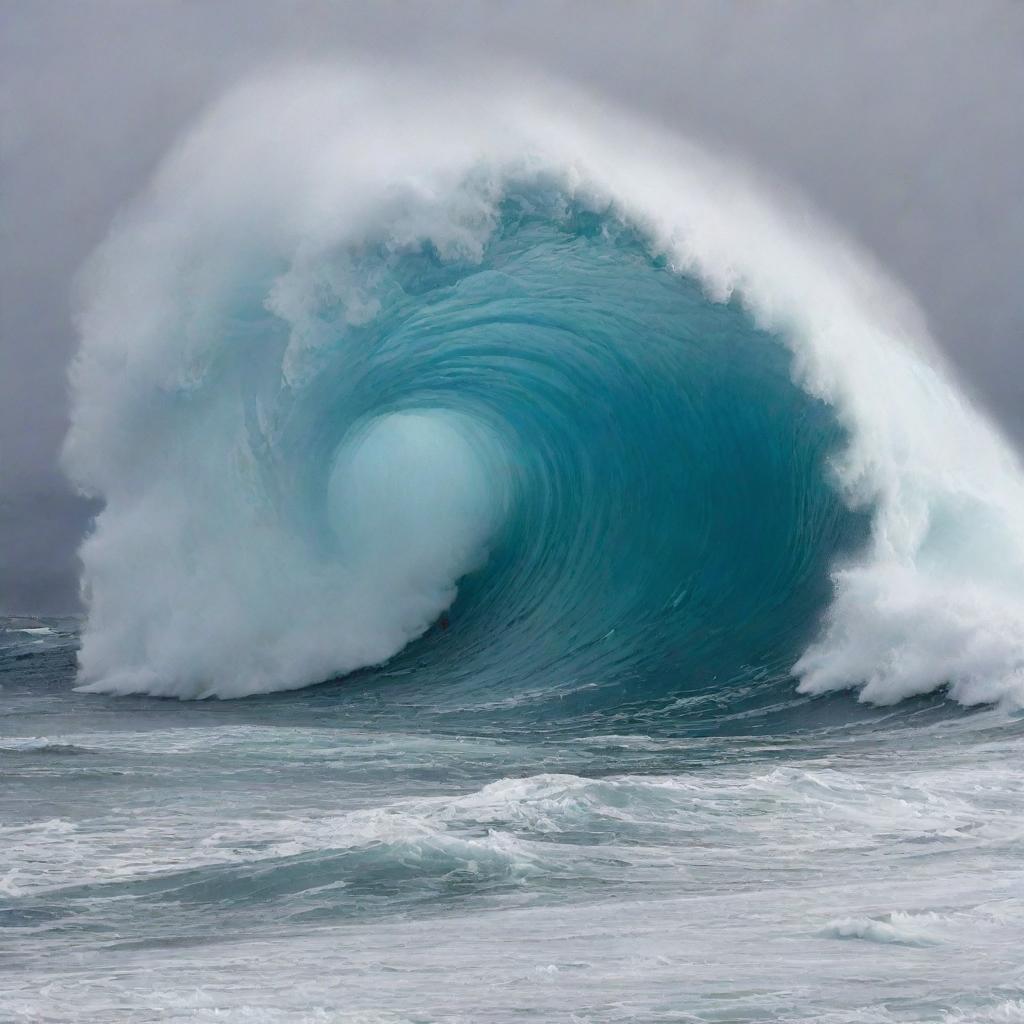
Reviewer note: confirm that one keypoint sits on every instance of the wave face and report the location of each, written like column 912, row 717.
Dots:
column 642, row 437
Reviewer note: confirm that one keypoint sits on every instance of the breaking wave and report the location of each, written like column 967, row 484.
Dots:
column 567, row 402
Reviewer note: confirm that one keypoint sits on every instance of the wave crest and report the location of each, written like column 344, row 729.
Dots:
column 662, row 429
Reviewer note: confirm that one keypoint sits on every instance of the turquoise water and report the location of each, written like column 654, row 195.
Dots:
column 634, row 497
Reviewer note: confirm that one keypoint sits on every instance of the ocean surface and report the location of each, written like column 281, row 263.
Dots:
column 540, row 575
column 344, row 853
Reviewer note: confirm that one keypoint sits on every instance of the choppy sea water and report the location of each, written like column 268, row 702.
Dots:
column 338, row 854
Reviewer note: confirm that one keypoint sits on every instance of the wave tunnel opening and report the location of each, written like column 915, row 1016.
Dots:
column 618, row 476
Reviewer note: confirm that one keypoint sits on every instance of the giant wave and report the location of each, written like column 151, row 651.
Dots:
column 365, row 354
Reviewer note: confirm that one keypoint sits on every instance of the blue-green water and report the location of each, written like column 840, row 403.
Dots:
column 633, row 495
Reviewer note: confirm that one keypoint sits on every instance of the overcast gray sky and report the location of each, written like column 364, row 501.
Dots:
column 904, row 122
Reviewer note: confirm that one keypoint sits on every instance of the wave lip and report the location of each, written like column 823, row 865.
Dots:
column 636, row 427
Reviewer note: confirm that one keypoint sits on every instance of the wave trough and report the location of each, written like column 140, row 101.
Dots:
column 358, row 360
